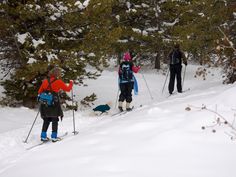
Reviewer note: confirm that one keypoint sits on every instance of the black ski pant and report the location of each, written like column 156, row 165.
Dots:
column 175, row 72
column 126, row 92
column 46, row 122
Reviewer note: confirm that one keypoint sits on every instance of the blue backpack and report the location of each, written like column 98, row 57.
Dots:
column 47, row 97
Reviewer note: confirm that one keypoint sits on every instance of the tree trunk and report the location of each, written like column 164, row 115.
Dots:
column 119, row 59
column 157, row 61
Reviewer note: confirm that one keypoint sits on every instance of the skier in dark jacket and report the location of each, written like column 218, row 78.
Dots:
column 51, row 113
column 176, row 57
column 126, row 81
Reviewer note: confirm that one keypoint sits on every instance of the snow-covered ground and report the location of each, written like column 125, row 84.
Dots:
column 160, row 138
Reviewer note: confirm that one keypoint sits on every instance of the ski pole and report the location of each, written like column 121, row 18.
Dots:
column 147, row 86
column 31, row 127
column 165, row 81
column 73, row 111
column 184, row 77
column 117, row 97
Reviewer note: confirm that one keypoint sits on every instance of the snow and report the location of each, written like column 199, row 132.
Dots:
column 145, row 5
column 86, row 3
column 171, row 24
column 31, row 60
column 201, row 14
column 140, row 31
column 91, row 55
column 22, row 37
column 37, row 42
column 118, row 17
column 160, row 138
column 82, row 5
column 122, row 41
column 51, row 56
column 57, row 10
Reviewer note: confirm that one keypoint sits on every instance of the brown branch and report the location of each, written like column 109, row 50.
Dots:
column 222, row 117
column 225, row 37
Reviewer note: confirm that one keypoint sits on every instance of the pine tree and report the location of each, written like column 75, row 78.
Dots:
column 196, row 25
column 66, row 33
column 139, row 24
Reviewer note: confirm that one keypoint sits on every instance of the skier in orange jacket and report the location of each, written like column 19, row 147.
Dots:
column 52, row 113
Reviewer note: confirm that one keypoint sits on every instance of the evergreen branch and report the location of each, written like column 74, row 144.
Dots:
column 12, row 31
column 227, row 39
column 5, row 75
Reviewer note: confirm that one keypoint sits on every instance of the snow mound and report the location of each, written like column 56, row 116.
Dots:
column 227, row 98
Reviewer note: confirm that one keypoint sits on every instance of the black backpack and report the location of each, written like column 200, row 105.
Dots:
column 126, row 72
column 175, row 57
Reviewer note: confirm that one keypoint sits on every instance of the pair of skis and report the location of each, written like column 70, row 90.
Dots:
column 174, row 93
column 121, row 112
column 48, row 141
column 125, row 111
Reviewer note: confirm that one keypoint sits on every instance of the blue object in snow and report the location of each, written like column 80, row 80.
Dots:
column 102, row 108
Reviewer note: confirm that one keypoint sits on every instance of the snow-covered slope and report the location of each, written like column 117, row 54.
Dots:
column 160, row 138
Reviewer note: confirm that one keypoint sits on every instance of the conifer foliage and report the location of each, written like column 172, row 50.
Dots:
column 36, row 34
column 76, row 33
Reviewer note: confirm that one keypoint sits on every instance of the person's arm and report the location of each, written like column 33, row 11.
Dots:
column 135, row 69
column 119, row 70
column 184, row 58
column 169, row 57
column 64, row 86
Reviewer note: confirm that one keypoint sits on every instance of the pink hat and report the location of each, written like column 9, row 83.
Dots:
column 127, row 56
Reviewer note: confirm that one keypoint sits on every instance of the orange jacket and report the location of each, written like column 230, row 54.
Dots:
column 56, row 86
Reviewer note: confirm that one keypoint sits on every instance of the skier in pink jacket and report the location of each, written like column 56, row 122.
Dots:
column 126, row 81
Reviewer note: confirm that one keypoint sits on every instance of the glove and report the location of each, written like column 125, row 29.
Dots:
column 185, row 63
column 72, row 82
column 61, row 117
column 38, row 97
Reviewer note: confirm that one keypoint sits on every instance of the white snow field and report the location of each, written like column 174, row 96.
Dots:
column 159, row 139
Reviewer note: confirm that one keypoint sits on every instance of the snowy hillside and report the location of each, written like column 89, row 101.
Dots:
column 160, row 138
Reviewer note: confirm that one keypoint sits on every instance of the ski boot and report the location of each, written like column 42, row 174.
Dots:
column 120, row 106
column 54, row 137
column 128, row 107
column 44, row 137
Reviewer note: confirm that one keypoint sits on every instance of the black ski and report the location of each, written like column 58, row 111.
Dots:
column 45, row 142
column 175, row 93
column 125, row 111
column 121, row 112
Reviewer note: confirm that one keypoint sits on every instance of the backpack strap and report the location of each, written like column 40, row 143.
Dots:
column 172, row 56
column 49, row 84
